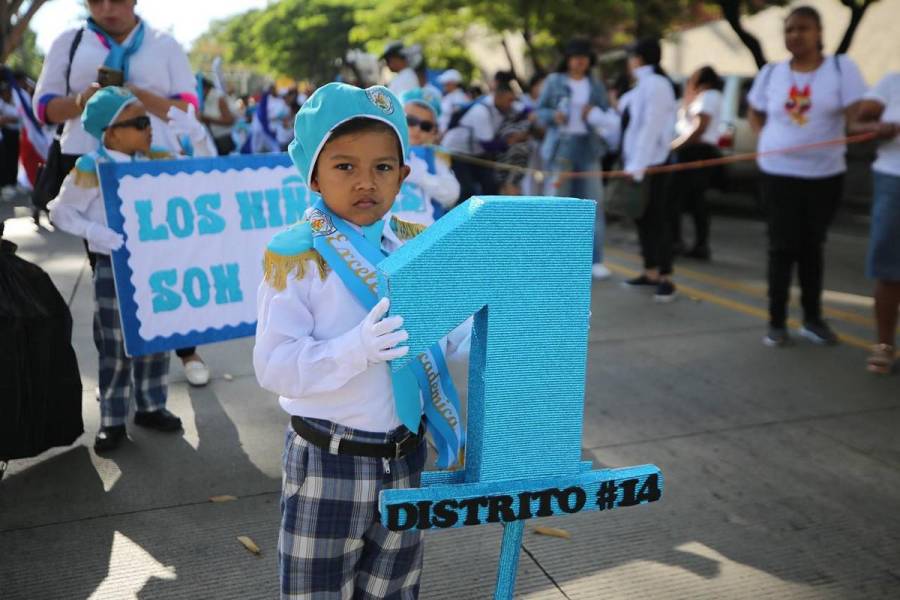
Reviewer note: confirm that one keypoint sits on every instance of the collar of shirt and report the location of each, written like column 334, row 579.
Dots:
column 644, row 72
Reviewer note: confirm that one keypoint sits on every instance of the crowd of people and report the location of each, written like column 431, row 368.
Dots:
column 119, row 90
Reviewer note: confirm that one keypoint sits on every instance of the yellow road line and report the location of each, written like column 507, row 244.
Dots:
column 832, row 313
column 740, row 307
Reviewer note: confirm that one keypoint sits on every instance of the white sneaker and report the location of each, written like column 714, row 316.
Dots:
column 600, row 272
column 197, row 373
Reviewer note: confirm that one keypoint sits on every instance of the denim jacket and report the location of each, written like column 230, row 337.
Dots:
column 555, row 89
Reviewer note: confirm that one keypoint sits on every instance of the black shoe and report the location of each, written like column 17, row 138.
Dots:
column 109, row 438
column 160, row 420
column 642, row 282
column 665, row 292
column 777, row 337
column 819, row 332
column 699, row 252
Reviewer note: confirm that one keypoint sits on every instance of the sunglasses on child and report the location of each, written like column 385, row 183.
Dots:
column 140, row 123
column 425, row 126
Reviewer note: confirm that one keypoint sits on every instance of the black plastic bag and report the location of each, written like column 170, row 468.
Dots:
column 40, row 385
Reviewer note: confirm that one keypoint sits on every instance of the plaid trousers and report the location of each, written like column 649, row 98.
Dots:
column 149, row 374
column 331, row 544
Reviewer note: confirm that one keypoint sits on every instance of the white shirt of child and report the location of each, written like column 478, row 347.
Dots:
column 308, row 351
column 160, row 66
column 887, row 93
column 707, row 102
column 579, row 96
column 651, row 104
column 441, row 186
column 813, row 113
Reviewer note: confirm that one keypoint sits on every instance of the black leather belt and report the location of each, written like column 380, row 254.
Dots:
column 323, row 440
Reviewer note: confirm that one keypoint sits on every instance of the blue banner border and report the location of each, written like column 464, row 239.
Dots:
column 110, row 173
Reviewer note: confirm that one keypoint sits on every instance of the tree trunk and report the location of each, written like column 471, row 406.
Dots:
column 509, row 57
column 731, row 11
column 856, row 15
column 12, row 34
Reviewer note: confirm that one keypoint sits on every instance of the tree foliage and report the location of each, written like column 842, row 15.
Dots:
column 15, row 15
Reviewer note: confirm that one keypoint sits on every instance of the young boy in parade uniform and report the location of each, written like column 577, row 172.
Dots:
column 322, row 344
column 119, row 121
column 431, row 188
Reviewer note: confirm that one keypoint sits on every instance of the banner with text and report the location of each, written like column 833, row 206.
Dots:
column 195, row 232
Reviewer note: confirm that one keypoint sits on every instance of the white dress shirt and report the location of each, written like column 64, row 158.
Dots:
column 404, row 81
column 652, row 107
column 308, row 351
column 160, row 66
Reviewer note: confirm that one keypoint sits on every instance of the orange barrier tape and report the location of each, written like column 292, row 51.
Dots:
column 539, row 174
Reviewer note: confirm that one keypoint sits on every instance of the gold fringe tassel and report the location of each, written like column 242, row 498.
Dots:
column 406, row 230
column 86, row 179
column 277, row 268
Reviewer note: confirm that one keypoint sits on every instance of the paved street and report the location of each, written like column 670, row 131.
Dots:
column 782, row 466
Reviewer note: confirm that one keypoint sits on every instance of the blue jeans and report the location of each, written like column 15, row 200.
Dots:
column 574, row 154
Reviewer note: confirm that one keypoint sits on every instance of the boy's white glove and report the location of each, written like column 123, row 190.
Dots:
column 380, row 336
column 104, row 238
column 186, row 123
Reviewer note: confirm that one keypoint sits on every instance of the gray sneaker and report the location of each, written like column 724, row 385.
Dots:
column 818, row 332
column 777, row 337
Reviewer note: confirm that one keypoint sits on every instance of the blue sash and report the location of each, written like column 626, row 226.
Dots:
column 119, row 55
column 353, row 258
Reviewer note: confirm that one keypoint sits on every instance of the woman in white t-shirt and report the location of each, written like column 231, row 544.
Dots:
column 804, row 100
column 572, row 142
column 697, row 128
column 879, row 113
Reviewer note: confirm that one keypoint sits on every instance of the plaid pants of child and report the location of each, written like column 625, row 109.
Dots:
column 149, row 374
column 331, row 545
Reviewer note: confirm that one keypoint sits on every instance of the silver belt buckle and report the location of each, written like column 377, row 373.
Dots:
column 335, row 445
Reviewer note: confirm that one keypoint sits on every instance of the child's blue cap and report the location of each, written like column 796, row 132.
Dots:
column 423, row 97
column 103, row 108
column 331, row 106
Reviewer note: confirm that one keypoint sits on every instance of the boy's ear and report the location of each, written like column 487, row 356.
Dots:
column 404, row 172
column 314, row 182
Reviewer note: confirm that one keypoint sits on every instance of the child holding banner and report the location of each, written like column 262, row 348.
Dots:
column 117, row 118
column 431, row 188
column 323, row 344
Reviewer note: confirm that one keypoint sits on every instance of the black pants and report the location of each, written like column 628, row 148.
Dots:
column 799, row 212
column 474, row 180
column 687, row 190
column 654, row 230
column 9, row 157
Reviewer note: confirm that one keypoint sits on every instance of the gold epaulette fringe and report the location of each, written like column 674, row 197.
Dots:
column 277, row 267
column 86, row 179
column 406, row 230
column 159, row 155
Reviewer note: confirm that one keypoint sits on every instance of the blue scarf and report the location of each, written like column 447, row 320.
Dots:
column 119, row 55
column 353, row 256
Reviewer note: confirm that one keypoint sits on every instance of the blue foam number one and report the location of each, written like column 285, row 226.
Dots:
column 522, row 266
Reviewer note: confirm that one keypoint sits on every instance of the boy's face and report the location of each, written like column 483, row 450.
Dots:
column 130, row 133
column 420, row 118
column 359, row 175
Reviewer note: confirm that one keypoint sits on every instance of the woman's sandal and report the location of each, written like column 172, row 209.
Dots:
column 881, row 360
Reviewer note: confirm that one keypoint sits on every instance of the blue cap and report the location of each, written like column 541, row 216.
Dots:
column 423, row 97
column 103, row 108
column 334, row 104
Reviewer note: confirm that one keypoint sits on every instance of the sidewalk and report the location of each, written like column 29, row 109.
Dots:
column 782, row 467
